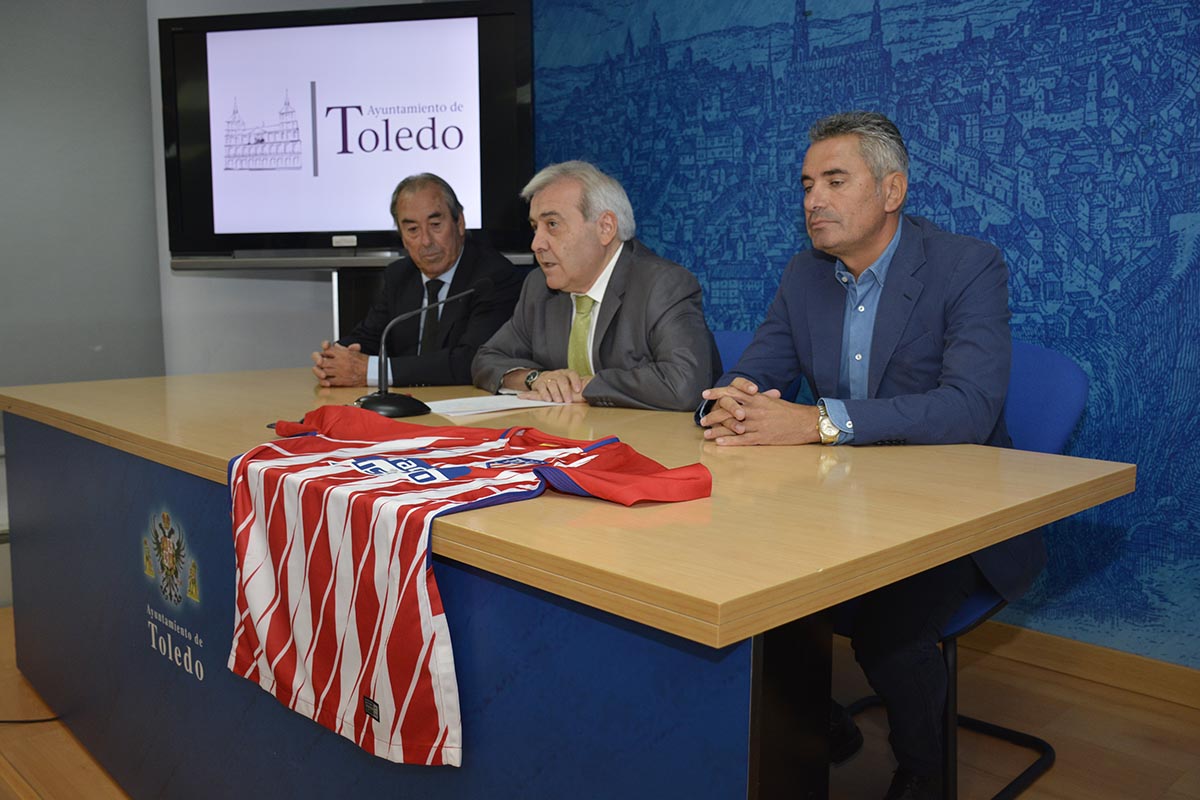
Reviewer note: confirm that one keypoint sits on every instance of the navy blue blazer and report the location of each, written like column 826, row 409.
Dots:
column 940, row 357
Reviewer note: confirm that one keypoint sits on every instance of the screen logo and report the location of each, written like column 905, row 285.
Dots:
column 368, row 138
column 263, row 147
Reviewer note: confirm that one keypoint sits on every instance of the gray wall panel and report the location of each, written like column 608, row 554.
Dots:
column 79, row 295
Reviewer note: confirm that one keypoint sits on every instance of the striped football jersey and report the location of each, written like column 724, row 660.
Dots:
column 337, row 610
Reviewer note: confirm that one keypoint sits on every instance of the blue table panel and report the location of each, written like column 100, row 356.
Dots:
column 559, row 700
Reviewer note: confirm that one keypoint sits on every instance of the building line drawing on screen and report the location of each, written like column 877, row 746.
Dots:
column 263, row 147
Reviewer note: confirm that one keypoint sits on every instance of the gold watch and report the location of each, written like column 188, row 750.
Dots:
column 825, row 427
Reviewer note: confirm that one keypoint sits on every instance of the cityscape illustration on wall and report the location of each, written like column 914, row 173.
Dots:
column 1064, row 133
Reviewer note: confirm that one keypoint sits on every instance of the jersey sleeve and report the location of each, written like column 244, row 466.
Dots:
column 668, row 485
column 620, row 474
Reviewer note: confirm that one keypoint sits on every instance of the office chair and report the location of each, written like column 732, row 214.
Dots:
column 730, row 345
column 1047, row 393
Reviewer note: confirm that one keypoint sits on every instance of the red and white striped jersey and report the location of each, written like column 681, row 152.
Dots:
column 337, row 610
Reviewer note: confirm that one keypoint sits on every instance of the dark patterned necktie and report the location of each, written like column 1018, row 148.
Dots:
column 429, row 332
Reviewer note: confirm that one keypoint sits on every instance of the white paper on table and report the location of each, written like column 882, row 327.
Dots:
column 465, row 406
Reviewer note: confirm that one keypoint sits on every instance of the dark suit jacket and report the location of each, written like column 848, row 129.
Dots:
column 651, row 349
column 464, row 325
column 940, row 357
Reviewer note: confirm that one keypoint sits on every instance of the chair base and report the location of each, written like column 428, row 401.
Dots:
column 1037, row 769
column 1040, row 766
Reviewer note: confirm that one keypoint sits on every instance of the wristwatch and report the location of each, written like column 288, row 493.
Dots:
column 825, row 427
column 530, row 377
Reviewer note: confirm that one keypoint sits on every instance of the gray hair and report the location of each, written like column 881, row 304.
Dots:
column 600, row 193
column 879, row 139
column 415, row 183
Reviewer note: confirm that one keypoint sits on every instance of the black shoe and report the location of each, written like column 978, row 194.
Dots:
column 845, row 739
column 907, row 786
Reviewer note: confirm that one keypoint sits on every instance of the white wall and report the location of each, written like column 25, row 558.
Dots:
column 215, row 322
column 79, row 290
column 220, row 321
column 79, row 294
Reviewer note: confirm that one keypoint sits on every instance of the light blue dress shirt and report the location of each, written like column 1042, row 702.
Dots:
column 858, row 330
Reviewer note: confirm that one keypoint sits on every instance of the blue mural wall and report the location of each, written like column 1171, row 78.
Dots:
column 1064, row 133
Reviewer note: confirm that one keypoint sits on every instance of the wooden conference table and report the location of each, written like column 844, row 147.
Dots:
column 664, row 650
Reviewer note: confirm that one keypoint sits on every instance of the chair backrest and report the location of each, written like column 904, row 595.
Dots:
column 730, row 345
column 1047, row 393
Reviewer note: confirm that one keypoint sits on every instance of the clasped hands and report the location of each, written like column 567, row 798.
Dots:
column 557, row 386
column 338, row 365
column 742, row 415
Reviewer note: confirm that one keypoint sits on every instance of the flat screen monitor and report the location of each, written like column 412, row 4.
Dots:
column 287, row 132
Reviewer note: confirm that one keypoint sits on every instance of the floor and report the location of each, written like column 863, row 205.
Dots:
column 1111, row 744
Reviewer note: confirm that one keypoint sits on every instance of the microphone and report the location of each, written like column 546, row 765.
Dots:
column 403, row 405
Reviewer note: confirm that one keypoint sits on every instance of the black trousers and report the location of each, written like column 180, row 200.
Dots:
column 895, row 633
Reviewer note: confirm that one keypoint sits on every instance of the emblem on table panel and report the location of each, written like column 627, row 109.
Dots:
column 165, row 557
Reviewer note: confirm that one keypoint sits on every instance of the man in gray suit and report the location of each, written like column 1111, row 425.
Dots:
column 604, row 321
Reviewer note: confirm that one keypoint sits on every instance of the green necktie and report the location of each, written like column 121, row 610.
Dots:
column 577, row 345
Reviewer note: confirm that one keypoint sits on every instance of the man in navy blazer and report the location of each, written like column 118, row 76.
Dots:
column 435, row 348
column 901, row 330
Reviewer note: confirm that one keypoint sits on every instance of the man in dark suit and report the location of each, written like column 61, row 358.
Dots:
column 604, row 321
column 434, row 348
column 901, row 330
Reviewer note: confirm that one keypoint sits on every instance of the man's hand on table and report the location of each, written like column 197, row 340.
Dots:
column 337, row 365
column 742, row 415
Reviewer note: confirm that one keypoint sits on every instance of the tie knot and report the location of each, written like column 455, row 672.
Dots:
column 583, row 304
column 432, row 288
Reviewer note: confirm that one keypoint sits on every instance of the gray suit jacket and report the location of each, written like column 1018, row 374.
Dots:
column 651, row 349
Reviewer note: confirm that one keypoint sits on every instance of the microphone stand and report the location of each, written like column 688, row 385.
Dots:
column 385, row 402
